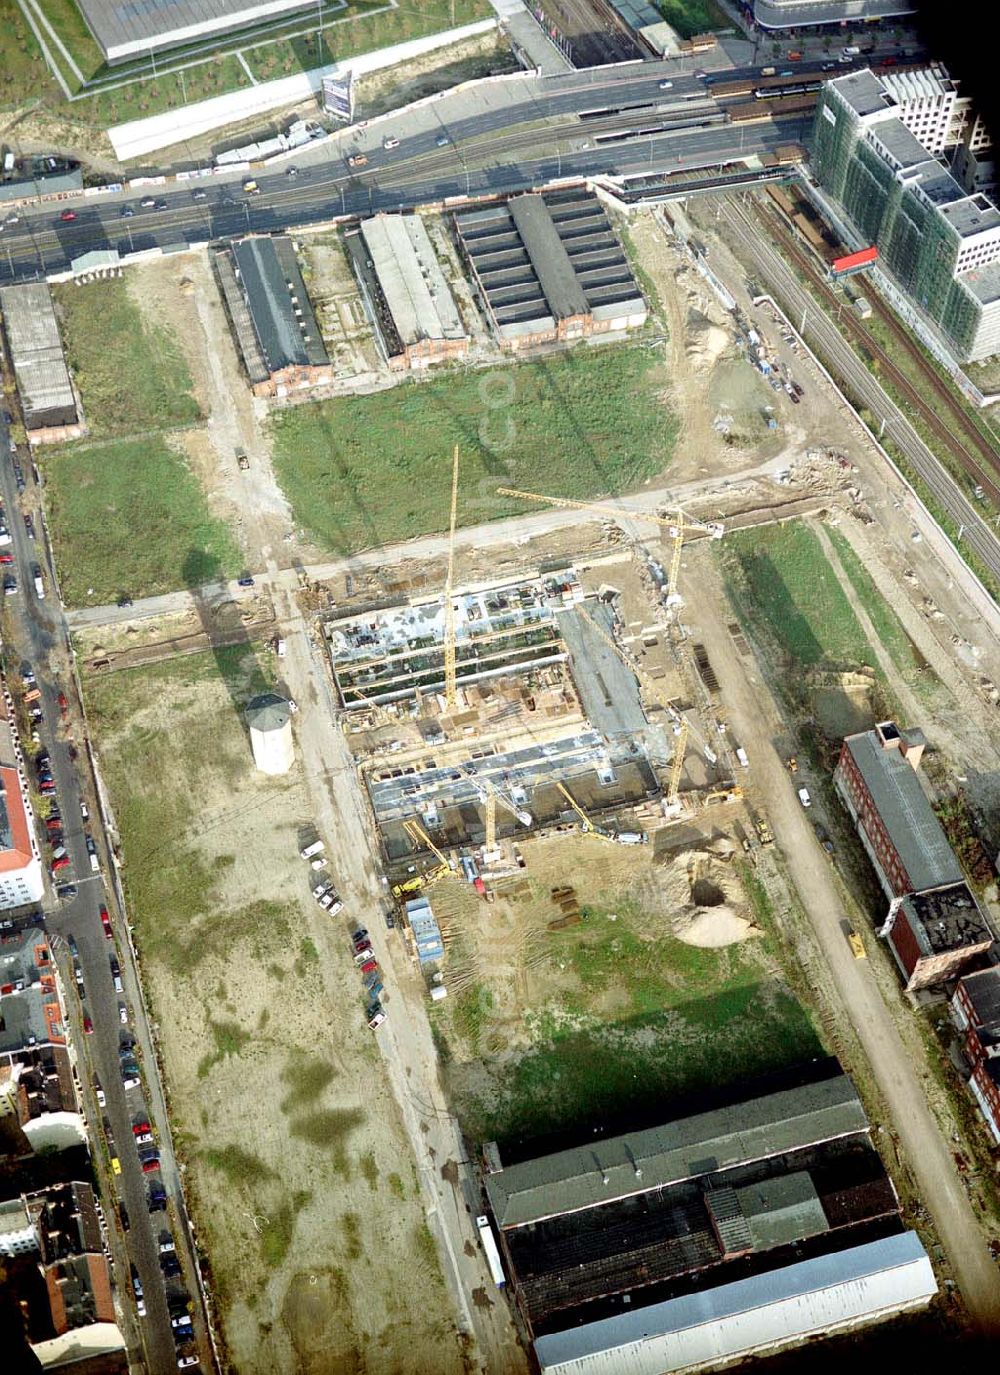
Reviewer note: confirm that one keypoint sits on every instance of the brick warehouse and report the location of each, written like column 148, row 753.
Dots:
column 975, row 1009
column 934, row 925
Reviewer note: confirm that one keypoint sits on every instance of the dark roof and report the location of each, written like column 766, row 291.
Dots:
column 906, row 813
column 276, row 296
column 548, row 256
column 594, row 1174
column 983, row 992
column 946, row 919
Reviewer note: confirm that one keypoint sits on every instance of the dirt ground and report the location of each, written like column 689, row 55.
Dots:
column 181, row 293
column 296, row 1163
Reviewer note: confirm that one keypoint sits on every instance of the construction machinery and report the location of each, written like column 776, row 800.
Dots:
column 589, row 827
column 857, row 945
column 677, row 524
column 489, row 794
column 420, row 837
column 450, row 689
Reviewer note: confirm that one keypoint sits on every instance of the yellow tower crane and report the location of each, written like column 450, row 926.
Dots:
column 677, row 525
column 450, row 689
column 589, row 827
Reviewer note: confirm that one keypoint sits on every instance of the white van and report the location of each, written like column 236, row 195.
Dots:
column 313, row 849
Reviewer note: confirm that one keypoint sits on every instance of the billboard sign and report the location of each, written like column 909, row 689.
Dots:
column 338, row 96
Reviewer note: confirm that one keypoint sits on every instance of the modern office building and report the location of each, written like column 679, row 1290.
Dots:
column 792, row 14
column 127, row 31
column 940, row 245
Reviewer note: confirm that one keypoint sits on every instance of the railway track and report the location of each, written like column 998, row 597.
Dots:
column 961, row 438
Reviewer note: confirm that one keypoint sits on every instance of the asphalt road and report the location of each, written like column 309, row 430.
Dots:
column 525, row 133
column 38, row 631
column 821, row 333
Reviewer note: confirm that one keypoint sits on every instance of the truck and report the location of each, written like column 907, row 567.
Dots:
column 36, row 573
column 491, row 1250
column 312, row 849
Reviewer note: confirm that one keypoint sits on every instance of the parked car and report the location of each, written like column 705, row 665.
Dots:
column 130, row 1080
column 376, row 1018
column 184, row 1361
column 60, row 862
column 245, row 581
column 99, row 1093
column 151, row 1165
column 88, row 1026
column 123, row 1215
column 360, row 935
column 72, row 946
column 95, row 863
column 170, row 1266
column 106, row 922
column 363, row 955
column 84, row 811
column 804, row 797
column 123, row 1014
column 156, row 1200
column 369, row 966
column 9, row 585
column 138, row 1127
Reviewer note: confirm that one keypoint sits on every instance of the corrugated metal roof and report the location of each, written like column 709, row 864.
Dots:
column 419, row 299
column 735, row 1319
column 36, row 352
column 279, row 305
column 553, row 268
column 906, row 813
column 127, row 25
column 587, row 1176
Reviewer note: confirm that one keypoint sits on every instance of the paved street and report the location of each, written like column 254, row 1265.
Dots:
column 757, row 723
column 448, row 1185
column 505, row 135
column 39, row 637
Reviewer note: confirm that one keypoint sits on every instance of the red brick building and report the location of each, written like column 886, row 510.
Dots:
column 976, row 1010
column 934, row 926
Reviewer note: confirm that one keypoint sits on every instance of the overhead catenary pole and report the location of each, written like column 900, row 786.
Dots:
column 450, row 689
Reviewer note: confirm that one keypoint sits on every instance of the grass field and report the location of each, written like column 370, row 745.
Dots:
column 363, row 471
column 611, row 1015
column 130, row 516
column 780, row 577
column 132, row 377
column 359, row 27
column 782, row 584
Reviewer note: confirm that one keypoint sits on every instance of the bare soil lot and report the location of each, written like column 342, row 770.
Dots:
column 606, row 978
column 297, row 1168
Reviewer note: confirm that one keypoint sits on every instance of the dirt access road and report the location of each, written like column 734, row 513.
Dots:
column 757, row 723
column 448, row 1184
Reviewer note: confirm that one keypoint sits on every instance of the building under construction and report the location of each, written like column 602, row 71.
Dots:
column 549, row 720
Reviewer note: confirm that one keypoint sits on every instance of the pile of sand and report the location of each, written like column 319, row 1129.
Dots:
column 713, row 927
column 707, row 342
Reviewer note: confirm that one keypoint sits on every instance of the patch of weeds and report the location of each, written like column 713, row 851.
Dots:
column 306, row 1079
column 369, row 1169
column 350, row 1225
column 238, row 1165
column 396, row 1185
column 308, row 953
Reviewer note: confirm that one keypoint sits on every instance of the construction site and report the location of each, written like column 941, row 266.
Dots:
column 487, row 715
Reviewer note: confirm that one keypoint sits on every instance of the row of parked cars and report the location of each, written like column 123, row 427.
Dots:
column 364, row 958
column 324, row 892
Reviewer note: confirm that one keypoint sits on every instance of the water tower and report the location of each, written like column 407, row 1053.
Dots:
column 270, row 720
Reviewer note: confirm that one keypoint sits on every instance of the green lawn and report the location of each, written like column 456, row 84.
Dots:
column 23, row 71
column 370, row 470
column 130, row 516
column 631, row 1022
column 133, row 378
column 779, row 577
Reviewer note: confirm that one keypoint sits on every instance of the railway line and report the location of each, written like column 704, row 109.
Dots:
column 827, row 338
column 594, row 34
column 981, row 461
